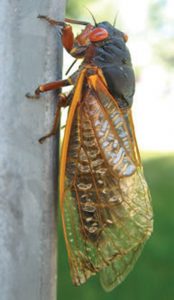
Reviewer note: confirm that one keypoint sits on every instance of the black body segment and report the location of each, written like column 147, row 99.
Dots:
column 114, row 59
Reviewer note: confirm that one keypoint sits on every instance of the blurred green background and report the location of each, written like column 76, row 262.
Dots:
column 150, row 26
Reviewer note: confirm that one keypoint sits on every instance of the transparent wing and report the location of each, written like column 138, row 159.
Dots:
column 107, row 214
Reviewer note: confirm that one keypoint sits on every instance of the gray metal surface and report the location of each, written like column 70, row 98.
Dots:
column 30, row 53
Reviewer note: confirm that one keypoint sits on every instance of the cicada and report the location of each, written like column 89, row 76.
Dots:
column 104, row 198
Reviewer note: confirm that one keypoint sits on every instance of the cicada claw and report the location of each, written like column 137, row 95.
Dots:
column 35, row 96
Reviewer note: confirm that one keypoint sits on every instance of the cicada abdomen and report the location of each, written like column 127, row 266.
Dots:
column 104, row 198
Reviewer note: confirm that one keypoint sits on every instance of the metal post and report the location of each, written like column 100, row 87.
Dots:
column 30, row 53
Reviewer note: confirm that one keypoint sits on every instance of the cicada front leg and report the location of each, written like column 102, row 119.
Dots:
column 51, row 21
column 66, row 30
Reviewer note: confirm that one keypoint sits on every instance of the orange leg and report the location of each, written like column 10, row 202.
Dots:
column 48, row 87
column 62, row 102
column 51, row 21
column 67, row 34
column 61, row 23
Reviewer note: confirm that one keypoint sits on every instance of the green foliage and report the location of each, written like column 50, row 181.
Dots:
column 165, row 51
column 156, row 18
column 152, row 277
column 161, row 30
column 75, row 8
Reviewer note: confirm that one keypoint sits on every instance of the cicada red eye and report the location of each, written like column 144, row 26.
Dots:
column 98, row 34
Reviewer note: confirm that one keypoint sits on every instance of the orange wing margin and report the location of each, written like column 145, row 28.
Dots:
column 75, row 101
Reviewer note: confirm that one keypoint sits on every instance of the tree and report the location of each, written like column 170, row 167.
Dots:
column 31, row 53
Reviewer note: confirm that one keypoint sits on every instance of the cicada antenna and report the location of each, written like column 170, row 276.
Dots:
column 95, row 22
column 115, row 19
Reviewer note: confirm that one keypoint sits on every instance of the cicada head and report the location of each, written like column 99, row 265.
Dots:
column 104, row 46
column 95, row 35
column 81, row 42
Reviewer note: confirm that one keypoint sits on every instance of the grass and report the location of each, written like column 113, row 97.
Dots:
column 153, row 275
